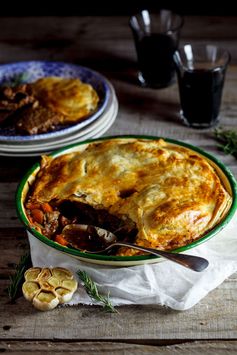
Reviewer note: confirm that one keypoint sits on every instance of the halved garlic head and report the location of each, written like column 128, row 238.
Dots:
column 47, row 287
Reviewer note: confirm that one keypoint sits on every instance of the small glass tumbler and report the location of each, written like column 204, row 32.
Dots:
column 156, row 38
column 201, row 73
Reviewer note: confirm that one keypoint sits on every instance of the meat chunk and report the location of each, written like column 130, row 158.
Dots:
column 51, row 223
column 34, row 120
column 12, row 98
column 4, row 115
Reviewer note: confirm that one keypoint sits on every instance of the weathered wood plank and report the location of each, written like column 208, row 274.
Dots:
column 8, row 215
column 13, row 169
column 39, row 347
column 142, row 111
column 74, row 39
column 13, row 244
column 213, row 318
column 106, row 28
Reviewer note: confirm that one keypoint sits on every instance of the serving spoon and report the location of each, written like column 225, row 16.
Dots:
column 95, row 240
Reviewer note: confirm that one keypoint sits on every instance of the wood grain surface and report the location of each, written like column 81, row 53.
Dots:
column 105, row 44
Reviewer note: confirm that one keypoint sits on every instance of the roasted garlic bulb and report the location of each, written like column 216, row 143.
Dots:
column 48, row 287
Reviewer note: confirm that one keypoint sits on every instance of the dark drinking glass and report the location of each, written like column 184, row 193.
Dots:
column 156, row 38
column 201, row 73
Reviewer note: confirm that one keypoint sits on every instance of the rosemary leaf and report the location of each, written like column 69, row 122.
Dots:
column 16, row 279
column 92, row 291
column 228, row 140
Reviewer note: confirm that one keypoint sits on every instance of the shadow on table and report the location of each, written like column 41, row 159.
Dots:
column 149, row 103
column 122, row 72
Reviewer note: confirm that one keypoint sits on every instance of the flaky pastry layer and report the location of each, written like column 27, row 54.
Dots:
column 172, row 194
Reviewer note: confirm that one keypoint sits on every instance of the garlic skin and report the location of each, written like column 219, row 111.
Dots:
column 45, row 288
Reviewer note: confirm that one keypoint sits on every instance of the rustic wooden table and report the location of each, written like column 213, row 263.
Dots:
column 105, row 44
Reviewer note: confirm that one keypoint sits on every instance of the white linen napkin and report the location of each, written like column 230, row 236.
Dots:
column 164, row 283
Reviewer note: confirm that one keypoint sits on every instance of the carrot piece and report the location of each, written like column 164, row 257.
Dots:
column 46, row 207
column 32, row 206
column 38, row 229
column 61, row 240
column 37, row 215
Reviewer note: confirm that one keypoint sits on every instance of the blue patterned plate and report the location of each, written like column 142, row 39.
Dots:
column 26, row 72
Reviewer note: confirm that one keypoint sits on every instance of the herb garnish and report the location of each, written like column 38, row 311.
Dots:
column 16, row 279
column 93, row 292
column 228, row 138
column 16, row 80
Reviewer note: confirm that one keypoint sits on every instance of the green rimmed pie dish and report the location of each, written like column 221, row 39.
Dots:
column 226, row 177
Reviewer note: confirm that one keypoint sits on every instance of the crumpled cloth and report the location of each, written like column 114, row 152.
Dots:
column 164, row 283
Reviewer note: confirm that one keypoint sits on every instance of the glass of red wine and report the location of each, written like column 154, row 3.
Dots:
column 156, row 38
column 201, row 74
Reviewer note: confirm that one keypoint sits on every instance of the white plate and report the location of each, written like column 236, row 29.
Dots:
column 33, row 70
column 91, row 130
column 75, row 139
column 88, row 130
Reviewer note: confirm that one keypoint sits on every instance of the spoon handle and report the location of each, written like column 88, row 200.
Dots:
column 195, row 263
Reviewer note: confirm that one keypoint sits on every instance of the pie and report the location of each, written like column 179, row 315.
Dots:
column 150, row 192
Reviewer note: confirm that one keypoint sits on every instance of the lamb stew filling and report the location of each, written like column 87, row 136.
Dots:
column 51, row 219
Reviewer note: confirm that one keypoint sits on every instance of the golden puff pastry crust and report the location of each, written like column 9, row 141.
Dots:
column 171, row 193
column 67, row 96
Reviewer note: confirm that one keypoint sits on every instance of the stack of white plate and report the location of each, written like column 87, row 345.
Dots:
column 94, row 126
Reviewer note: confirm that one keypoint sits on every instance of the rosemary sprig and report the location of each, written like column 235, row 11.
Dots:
column 92, row 291
column 16, row 279
column 228, row 138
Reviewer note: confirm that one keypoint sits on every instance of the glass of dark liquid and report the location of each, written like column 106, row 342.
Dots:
column 156, row 38
column 201, row 73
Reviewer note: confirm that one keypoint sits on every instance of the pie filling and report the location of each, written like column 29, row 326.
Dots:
column 50, row 220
